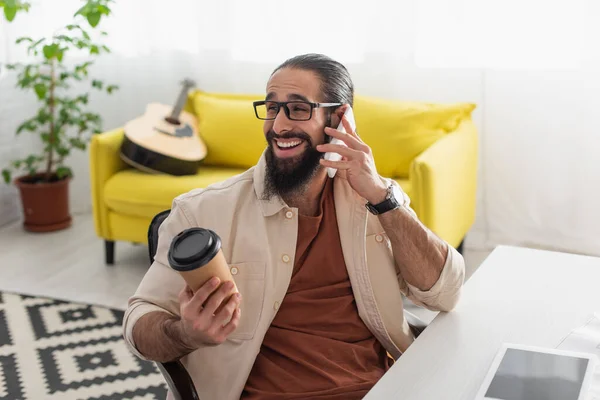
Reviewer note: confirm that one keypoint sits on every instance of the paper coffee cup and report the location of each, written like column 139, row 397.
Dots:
column 196, row 254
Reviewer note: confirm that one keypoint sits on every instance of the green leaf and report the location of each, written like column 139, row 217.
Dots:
column 38, row 42
column 10, row 12
column 77, row 143
column 63, row 172
column 40, row 90
column 103, row 9
column 43, row 116
column 64, row 113
column 26, row 81
column 50, row 50
column 97, row 84
column 83, row 98
column 82, row 69
column 65, row 38
column 111, row 88
column 60, row 54
column 10, row 3
column 103, row 33
column 94, row 49
column 83, row 10
column 33, row 46
column 84, row 65
column 91, row 117
column 30, row 160
column 106, row 48
column 28, row 125
column 62, row 151
column 93, row 18
column 23, row 39
column 6, row 175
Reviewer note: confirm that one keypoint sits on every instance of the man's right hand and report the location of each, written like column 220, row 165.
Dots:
column 201, row 324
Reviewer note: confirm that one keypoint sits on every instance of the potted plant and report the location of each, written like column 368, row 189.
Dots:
column 63, row 121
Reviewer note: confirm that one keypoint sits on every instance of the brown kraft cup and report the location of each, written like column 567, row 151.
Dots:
column 196, row 254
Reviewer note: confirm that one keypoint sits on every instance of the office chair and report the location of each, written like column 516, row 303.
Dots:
column 179, row 381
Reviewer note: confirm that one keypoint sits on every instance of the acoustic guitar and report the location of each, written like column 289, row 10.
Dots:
column 165, row 139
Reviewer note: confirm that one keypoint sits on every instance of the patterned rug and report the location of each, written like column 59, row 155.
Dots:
column 52, row 349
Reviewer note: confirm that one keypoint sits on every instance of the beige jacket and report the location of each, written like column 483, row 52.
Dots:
column 259, row 240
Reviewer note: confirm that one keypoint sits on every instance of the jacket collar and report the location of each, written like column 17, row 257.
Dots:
column 275, row 204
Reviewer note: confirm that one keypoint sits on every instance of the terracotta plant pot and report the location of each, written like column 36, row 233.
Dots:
column 45, row 204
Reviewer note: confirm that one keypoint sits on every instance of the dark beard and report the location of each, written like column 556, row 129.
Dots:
column 285, row 177
column 291, row 177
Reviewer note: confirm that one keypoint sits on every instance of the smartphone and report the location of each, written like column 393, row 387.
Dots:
column 335, row 156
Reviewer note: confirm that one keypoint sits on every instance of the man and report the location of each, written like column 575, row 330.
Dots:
column 321, row 264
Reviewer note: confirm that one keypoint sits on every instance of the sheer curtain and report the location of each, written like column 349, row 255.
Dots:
column 530, row 65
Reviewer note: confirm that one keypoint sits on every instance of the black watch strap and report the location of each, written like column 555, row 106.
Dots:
column 390, row 203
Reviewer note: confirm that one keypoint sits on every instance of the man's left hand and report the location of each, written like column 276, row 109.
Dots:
column 357, row 160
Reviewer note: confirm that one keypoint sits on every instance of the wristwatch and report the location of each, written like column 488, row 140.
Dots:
column 393, row 200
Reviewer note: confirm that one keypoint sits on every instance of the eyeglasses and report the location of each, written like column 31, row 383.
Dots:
column 294, row 110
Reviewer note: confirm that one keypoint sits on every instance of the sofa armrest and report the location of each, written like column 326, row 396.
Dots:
column 444, row 179
column 105, row 161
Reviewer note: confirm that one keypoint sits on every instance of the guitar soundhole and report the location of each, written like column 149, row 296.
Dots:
column 172, row 121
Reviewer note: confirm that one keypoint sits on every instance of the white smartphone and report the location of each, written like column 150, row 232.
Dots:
column 335, row 156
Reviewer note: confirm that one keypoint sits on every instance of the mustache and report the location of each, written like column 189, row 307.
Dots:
column 271, row 135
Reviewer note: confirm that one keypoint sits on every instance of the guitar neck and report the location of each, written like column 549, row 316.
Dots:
column 179, row 104
column 181, row 99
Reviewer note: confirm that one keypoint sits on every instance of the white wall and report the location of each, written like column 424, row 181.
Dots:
column 542, row 166
column 538, row 131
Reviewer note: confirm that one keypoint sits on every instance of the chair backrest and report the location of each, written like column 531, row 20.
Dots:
column 179, row 381
column 153, row 232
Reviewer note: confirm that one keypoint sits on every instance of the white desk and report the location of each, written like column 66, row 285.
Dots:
column 517, row 295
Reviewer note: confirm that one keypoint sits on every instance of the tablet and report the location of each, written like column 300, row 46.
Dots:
column 532, row 373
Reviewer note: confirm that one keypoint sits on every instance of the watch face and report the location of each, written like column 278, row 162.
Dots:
column 397, row 194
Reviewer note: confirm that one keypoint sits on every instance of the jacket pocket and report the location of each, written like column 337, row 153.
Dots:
column 249, row 278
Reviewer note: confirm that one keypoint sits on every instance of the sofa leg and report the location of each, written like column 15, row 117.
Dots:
column 109, row 252
column 461, row 247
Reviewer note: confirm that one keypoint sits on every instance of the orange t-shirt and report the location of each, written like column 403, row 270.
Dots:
column 317, row 346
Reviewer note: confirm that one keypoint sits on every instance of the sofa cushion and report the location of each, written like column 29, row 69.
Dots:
column 398, row 131
column 140, row 194
column 135, row 193
column 226, row 122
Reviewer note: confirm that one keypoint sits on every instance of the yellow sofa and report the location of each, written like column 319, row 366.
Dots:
column 430, row 149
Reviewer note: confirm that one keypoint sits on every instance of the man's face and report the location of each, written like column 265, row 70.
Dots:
column 292, row 158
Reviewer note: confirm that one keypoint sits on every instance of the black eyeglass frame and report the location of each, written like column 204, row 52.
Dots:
column 287, row 110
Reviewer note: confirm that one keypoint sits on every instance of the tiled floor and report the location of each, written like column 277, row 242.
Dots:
column 69, row 265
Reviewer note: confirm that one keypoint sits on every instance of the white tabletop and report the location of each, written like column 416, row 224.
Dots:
column 517, row 295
